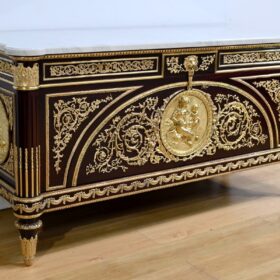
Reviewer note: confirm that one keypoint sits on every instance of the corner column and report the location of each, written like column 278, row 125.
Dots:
column 27, row 157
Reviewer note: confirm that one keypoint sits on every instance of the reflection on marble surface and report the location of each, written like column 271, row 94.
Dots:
column 40, row 42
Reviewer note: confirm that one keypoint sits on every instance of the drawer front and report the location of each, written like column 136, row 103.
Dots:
column 139, row 119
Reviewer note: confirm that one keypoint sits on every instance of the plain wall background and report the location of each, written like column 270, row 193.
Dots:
column 53, row 14
column 30, row 14
column 61, row 14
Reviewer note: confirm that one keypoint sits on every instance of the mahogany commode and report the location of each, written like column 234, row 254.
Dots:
column 82, row 125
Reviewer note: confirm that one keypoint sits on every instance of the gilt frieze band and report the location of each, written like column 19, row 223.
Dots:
column 101, row 68
column 248, row 59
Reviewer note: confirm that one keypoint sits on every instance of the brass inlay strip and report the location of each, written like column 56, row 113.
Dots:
column 100, row 68
column 26, row 78
column 26, row 173
column 16, row 162
column 37, row 170
column 20, row 172
column 32, row 173
column 248, row 58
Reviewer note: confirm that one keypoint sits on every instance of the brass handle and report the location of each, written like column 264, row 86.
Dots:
column 191, row 65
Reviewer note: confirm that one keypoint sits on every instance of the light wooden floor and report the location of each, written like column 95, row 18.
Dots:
column 198, row 231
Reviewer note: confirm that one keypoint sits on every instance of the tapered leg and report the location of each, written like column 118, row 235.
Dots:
column 28, row 230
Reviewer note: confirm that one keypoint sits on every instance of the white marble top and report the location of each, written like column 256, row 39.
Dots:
column 40, row 42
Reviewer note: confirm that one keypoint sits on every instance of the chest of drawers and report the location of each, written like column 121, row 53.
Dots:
column 86, row 126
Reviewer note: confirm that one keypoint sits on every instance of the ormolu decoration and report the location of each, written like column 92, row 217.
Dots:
column 175, row 67
column 68, row 116
column 187, row 121
column 34, row 226
column 6, row 67
column 4, row 134
column 238, row 124
column 85, row 127
column 147, row 182
column 186, row 126
column 29, row 171
column 7, row 103
column 96, row 67
column 273, row 88
column 26, row 77
column 8, row 165
column 28, row 248
column 250, row 57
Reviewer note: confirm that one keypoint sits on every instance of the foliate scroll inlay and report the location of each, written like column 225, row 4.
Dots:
column 177, row 128
column 4, row 134
column 273, row 89
column 6, row 127
column 103, row 67
column 6, row 67
column 251, row 57
column 238, row 124
column 68, row 116
column 175, row 67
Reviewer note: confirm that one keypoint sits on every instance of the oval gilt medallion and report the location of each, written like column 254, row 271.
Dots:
column 187, row 122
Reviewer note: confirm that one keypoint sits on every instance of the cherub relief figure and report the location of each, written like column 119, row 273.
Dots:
column 185, row 121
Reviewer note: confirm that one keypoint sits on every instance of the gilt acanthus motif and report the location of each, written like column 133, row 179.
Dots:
column 104, row 67
column 134, row 140
column 8, row 164
column 175, row 67
column 238, row 124
column 273, row 89
column 68, row 116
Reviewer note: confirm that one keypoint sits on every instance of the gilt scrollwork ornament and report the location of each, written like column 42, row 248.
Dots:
column 185, row 125
column 175, row 67
column 6, row 128
column 67, row 117
column 103, row 67
column 238, row 124
column 251, row 57
column 181, row 127
column 273, row 89
column 4, row 133
column 131, row 140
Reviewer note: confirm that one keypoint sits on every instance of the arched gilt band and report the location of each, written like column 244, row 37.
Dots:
column 233, row 102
